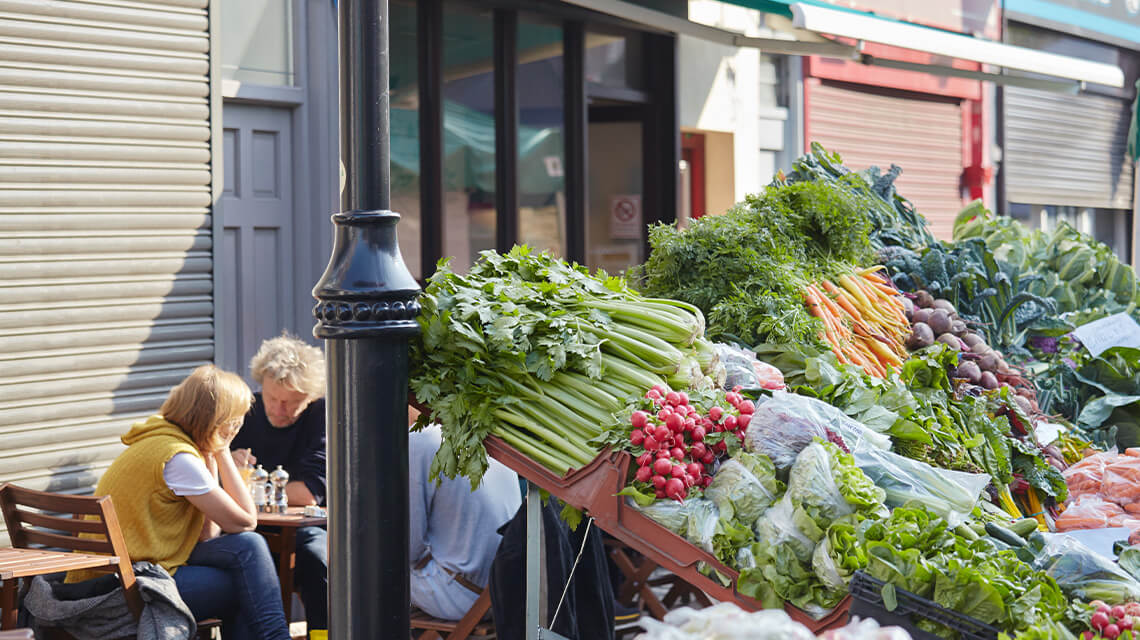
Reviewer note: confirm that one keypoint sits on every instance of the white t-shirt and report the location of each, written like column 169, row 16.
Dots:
column 187, row 475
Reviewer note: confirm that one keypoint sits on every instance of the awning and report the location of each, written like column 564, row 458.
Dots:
column 814, row 24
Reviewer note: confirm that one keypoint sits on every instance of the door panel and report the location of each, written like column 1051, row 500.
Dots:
column 255, row 279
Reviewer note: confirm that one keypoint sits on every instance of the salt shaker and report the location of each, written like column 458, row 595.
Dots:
column 258, row 482
column 279, row 477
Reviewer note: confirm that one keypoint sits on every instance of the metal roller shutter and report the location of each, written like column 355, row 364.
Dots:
column 1066, row 150
column 105, row 217
column 923, row 135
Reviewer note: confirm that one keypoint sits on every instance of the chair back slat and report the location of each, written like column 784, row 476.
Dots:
column 27, row 528
column 72, row 524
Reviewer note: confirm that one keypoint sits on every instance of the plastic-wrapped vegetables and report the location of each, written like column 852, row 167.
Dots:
column 694, row 520
column 727, row 621
column 744, row 487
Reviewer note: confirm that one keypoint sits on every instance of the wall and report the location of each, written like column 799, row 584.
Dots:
column 732, row 92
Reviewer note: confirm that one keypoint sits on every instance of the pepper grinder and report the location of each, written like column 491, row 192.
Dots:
column 258, row 485
column 279, row 477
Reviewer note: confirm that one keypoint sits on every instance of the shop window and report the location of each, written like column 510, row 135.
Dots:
column 615, row 220
column 257, row 42
column 405, row 136
column 614, row 60
column 541, row 182
column 468, row 134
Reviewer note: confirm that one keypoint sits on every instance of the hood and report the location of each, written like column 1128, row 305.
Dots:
column 152, row 427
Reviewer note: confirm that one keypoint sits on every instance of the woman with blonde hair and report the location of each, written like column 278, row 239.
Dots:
column 182, row 504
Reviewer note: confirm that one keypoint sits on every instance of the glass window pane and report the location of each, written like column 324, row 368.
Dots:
column 615, row 224
column 405, row 138
column 542, row 197
column 257, row 41
column 468, row 134
column 614, row 60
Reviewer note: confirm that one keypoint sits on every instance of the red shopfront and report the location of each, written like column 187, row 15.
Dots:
column 933, row 127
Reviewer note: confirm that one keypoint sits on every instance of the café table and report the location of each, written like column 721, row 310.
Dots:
column 25, row 563
column 280, row 531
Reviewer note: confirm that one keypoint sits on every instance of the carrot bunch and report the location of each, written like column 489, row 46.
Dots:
column 863, row 318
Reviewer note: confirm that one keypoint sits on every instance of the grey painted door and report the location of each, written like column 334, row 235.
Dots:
column 255, row 271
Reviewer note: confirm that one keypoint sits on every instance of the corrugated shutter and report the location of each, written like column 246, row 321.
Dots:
column 1066, row 150
column 105, row 245
column 921, row 134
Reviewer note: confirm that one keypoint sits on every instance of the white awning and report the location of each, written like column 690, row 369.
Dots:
column 863, row 26
column 813, row 26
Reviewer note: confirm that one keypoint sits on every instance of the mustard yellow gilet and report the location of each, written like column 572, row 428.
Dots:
column 157, row 525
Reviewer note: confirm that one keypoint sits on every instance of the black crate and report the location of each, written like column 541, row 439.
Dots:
column 867, row 602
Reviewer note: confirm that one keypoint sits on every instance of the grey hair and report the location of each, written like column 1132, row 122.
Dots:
column 290, row 362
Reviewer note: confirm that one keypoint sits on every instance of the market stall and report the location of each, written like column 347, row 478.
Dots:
column 809, row 403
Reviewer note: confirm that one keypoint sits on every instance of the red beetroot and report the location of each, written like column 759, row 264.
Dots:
column 644, row 474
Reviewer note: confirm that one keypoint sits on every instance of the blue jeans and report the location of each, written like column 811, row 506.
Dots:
column 232, row 577
column 312, row 575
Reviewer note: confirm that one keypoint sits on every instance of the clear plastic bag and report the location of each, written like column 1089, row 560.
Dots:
column 694, row 519
column 1085, row 476
column 777, row 528
column 865, row 629
column 1088, row 512
column 1121, row 482
column 786, row 423
column 823, row 564
column 950, row 494
column 724, row 621
column 1083, row 573
column 738, row 492
column 743, row 369
column 812, row 488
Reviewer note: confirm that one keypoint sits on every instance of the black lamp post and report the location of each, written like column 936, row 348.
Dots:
column 366, row 310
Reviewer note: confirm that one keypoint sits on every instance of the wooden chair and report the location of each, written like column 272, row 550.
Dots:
column 52, row 520
column 472, row 622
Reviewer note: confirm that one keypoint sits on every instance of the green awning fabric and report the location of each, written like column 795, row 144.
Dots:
column 1134, row 128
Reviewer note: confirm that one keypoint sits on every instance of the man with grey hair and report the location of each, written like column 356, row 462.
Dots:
column 286, row 426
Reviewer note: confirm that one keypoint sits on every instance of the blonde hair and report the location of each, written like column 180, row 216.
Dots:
column 205, row 401
column 290, row 362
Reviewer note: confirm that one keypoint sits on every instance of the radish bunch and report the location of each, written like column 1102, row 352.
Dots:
column 676, row 443
column 1112, row 622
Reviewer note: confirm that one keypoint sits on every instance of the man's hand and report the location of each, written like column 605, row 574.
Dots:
column 244, row 457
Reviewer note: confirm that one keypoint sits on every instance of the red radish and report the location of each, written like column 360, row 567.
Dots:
column 1105, row 609
column 653, row 394
column 729, row 422
column 659, row 493
column 706, row 481
column 1088, row 635
column 721, row 446
column 684, row 397
column 659, row 482
column 675, row 488
column 716, row 413
column 651, row 443
column 639, row 419
column 1117, row 612
column 1098, row 621
column 708, row 458
column 675, row 422
column 697, row 450
column 662, row 433
column 742, row 420
column 636, row 437
column 660, row 388
column 662, row 466
column 697, row 434
column 690, row 424
column 664, row 414
column 672, row 398
column 677, row 453
column 644, row 474
column 689, row 480
column 645, row 459
column 747, row 406
column 663, row 453
column 1124, row 623
column 1096, row 604
column 695, row 469
column 733, row 398
column 678, row 471
column 1112, row 632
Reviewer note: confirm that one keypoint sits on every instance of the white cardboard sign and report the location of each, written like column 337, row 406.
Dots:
column 1118, row 330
